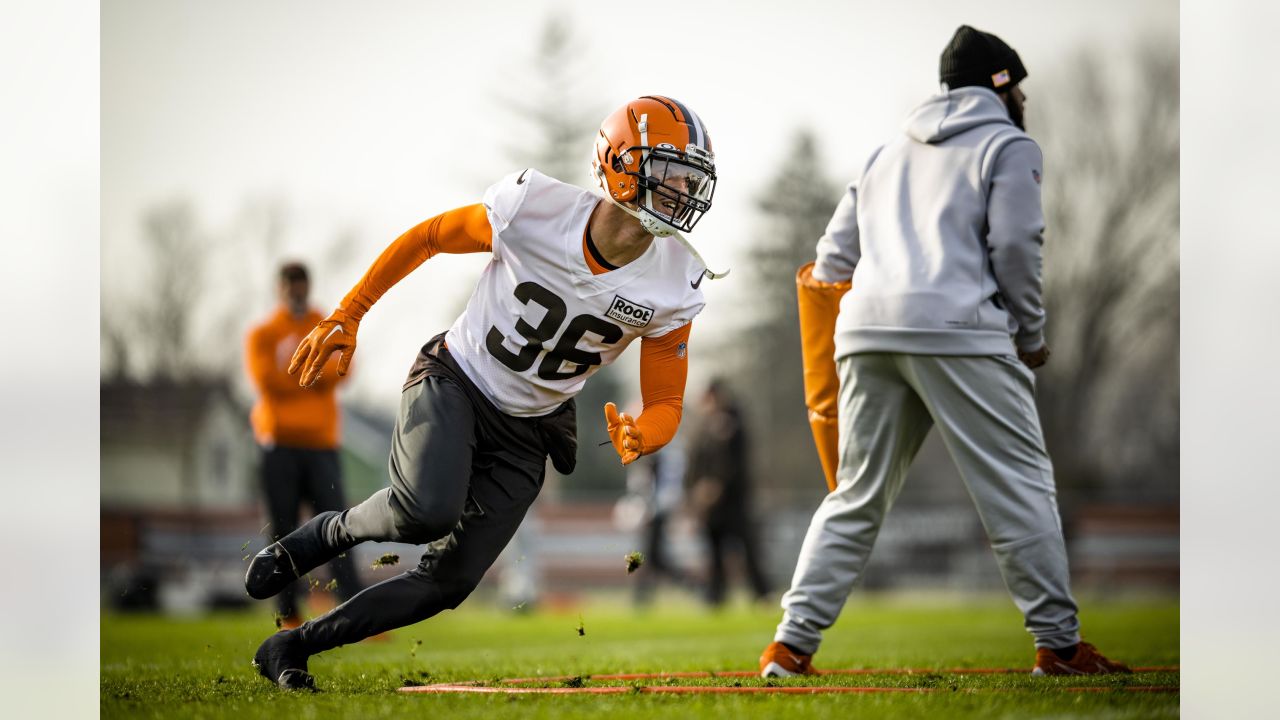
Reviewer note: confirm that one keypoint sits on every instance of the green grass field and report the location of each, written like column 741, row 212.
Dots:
column 199, row 668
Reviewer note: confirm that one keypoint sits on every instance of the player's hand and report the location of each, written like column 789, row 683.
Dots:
column 624, row 434
column 336, row 333
column 1035, row 358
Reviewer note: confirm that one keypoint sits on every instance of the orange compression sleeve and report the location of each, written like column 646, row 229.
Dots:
column 464, row 230
column 664, row 365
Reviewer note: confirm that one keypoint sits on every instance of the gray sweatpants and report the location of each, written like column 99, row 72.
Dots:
column 984, row 408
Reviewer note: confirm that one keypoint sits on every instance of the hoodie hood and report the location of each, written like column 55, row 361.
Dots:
column 955, row 111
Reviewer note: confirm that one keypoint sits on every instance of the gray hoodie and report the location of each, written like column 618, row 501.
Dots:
column 942, row 236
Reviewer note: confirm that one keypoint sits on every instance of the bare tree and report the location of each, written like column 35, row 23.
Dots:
column 172, row 287
column 114, row 336
column 184, row 314
column 560, row 121
column 1109, row 397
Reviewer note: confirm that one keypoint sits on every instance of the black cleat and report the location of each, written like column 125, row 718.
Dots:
column 295, row 555
column 271, row 571
column 281, row 660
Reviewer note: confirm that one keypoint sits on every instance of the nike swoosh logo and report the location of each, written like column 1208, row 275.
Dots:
column 520, row 180
column 695, row 285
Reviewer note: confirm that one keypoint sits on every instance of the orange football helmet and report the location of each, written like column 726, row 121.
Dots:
column 654, row 154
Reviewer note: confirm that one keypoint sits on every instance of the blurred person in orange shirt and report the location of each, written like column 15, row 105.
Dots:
column 296, row 427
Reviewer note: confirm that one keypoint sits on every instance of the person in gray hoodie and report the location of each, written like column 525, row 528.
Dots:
column 940, row 240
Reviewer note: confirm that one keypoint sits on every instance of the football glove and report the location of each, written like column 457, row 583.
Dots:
column 336, row 333
column 624, row 433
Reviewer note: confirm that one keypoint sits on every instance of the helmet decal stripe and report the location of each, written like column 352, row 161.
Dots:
column 696, row 135
column 704, row 139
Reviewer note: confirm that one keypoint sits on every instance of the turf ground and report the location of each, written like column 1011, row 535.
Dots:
column 199, row 668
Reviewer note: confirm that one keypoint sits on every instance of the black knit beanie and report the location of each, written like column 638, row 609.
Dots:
column 977, row 58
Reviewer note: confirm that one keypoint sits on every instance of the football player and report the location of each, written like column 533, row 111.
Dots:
column 574, row 277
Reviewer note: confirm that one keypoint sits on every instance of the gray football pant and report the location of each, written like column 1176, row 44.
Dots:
column 984, row 408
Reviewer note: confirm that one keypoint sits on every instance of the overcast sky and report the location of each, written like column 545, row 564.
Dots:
column 372, row 117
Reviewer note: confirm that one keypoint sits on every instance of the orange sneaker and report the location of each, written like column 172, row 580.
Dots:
column 779, row 661
column 1086, row 661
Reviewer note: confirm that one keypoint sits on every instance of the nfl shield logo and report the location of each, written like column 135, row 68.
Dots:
column 1035, row 175
column 682, row 349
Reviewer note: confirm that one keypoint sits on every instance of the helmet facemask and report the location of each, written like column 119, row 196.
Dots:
column 671, row 188
column 676, row 187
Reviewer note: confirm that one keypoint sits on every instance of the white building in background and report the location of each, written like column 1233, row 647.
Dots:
column 180, row 500
column 174, row 446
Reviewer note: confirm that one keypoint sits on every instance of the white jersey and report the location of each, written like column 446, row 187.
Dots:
column 540, row 322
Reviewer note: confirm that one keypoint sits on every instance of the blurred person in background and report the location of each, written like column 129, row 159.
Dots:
column 720, row 492
column 574, row 277
column 520, row 579
column 934, row 258
column 297, row 430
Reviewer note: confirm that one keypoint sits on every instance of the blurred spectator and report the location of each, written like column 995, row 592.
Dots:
column 296, row 427
column 520, row 582
column 720, row 491
column 659, row 480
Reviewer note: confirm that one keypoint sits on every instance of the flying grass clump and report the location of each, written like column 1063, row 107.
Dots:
column 634, row 561
column 387, row 560
column 415, row 678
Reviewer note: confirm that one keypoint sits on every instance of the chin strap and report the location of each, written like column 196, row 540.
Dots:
column 659, row 229
column 694, row 251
